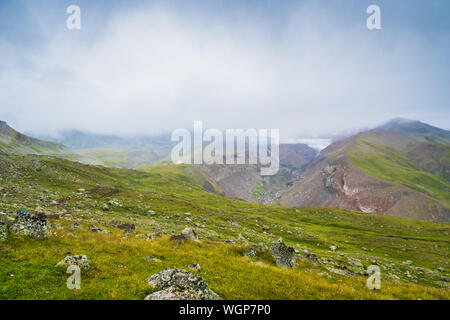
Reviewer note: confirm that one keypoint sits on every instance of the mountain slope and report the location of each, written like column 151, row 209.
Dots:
column 13, row 141
column 165, row 199
column 381, row 171
column 245, row 182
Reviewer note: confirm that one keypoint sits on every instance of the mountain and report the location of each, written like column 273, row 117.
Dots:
column 245, row 182
column 115, row 151
column 88, row 207
column 18, row 143
column 400, row 168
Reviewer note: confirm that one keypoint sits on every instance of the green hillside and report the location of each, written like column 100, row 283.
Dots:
column 390, row 165
column 165, row 199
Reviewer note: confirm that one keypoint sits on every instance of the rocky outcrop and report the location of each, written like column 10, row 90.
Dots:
column 186, row 234
column 31, row 225
column 284, row 255
column 178, row 284
column 81, row 261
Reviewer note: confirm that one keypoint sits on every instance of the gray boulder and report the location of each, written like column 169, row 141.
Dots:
column 188, row 233
column 81, row 261
column 179, row 284
column 31, row 225
column 284, row 255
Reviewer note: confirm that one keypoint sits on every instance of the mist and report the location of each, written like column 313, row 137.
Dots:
column 151, row 69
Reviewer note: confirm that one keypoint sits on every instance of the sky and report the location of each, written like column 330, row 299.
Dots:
column 309, row 68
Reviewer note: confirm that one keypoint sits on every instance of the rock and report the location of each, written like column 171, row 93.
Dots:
column 152, row 259
column 81, row 261
column 355, row 263
column 94, row 228
column 333, row 248
column 10, row 273
column 75, row 226
column 255, row 250
column 188, row 233
column 3, row 231
column 441, row 269
column 31, row 225
column 151, row 213
column 284, row 256
column 251, row 252
column 127, row 227
column 178, row 284
column 105, row 207
column 408, row 263
column 146, row 236
column 194, row 266
column 185, row 235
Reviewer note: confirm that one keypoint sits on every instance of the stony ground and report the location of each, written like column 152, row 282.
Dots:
column 126, row 223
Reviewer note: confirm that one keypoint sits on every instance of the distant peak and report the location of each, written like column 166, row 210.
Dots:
column 399, row 123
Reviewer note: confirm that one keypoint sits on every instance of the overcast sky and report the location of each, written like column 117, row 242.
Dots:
column 305, row 67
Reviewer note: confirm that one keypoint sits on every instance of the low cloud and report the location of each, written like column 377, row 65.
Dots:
column 152, row 70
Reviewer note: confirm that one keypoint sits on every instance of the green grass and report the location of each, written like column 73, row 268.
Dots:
column 387, row 164
column 119, row 268
column 226, row 227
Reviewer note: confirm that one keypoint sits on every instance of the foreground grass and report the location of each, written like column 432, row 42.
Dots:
column 52, row 185
column 119, row 269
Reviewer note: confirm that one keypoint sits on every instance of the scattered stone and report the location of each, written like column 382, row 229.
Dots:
column 333, row 248
column 151, row 213
column 81, row 261
column 31, row 225
column 408, row 263
column 251, row 252
column 284, row 256
column 441, row 269
column 127, row 227
column 10, row 273
column 94, row 228
column 188, row 233
column 3, row 231
column 178, row 284
column 75, row 226
column 194, row 266
column 355, row 263
column 152, row 259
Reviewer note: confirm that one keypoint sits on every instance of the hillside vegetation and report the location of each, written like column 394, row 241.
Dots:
column 164, row 199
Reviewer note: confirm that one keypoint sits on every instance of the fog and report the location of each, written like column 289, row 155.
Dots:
column 152, row 69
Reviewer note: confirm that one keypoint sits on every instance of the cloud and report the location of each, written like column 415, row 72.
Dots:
column 152, row 70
